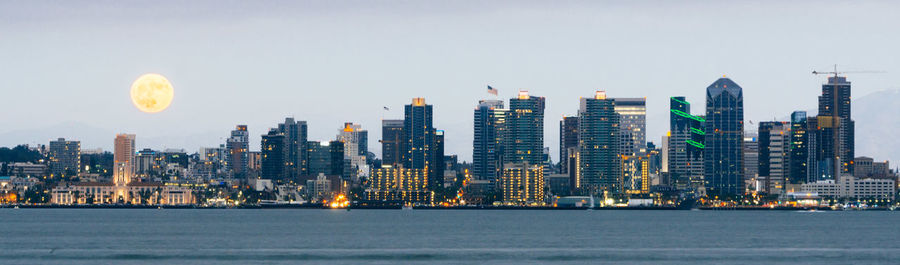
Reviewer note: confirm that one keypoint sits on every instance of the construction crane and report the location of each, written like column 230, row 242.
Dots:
column 835, row 119
column 836, row 72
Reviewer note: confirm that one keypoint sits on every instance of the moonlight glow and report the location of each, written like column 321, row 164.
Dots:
column 151, row 93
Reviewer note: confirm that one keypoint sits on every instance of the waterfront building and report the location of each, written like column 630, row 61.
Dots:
column 295, row 137
column 238, row 146
column 599, row 166
column 65, row 158
column 522, row 184
column 774, row 156
column 723, row 155
column 419, row 142
column 568, row 146
column 751, row 160
column 636, row 173
column 391, row 137
column 632, row 125
column 799, row 149
column 438, row 161
column 274, row 162
column 523, row 139
column 319, row 189
column 835, row 130
column 123, row 188
column 353, row 137
column 406, row 185
column 489, row 122
column 685, row 144
column 558, row 184
column 851, row 187
column 123, row 167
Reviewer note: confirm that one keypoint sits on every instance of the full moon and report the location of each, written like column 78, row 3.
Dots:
column 151, row 93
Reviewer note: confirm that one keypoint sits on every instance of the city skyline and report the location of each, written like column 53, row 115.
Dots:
column 354, row 86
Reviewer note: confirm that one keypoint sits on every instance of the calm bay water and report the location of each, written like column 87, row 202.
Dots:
column 139, row 236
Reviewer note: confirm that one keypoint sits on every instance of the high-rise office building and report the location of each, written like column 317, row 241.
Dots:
column 319, row 155
column 684, row 146
column 774, row 156
column 238, row 146
column 632, row 125
column 65, row 158
column 352, row 135
column 836, row 130
column 274, row 156
column 599, row 166
column 489, row 119
column 799, row 148
column 438, row 160
column 295, row 134
column 523, row 139
column 751, row 159
column 391, row 136
column 326, row 158
column 568, row 138
column 723, row 156
column 123, row 159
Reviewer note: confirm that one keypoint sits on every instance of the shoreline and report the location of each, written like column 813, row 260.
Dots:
column 433, row 208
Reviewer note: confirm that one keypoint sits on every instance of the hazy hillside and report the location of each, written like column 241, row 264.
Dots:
column 877, row 118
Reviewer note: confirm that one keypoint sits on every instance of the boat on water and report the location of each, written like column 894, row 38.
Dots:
column 407, row 207
column 591, row 206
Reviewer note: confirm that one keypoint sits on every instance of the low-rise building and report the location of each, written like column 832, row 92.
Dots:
column 851, row 187
column 522, row 184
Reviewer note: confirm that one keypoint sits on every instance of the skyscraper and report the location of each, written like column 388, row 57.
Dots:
column 723, row 157
column 598, row 146
column 684, row 146
column 391, row 135
column 274, row 156
column 352, row 135
column 751, row 159
column 568, row 138
column 238, row 146
column 836, row 129
column 123, row 160
column 65, row 158
column 799, row 148
column 522, row 145
column 295, row 134
column 438, row 160
column 523, row 139
column 632, row 125
column 326, row 158
column 489, row 120
column 774, row 156
column 418, row 135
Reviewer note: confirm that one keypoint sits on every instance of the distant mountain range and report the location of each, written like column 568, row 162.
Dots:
column 877, row 118
column 93, row 137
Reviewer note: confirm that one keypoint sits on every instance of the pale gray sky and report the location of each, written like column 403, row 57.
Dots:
column 328, row 62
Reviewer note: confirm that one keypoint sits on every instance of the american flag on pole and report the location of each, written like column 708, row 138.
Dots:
column 491, row 90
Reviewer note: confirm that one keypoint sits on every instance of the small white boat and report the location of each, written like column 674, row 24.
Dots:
column 407, row 207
